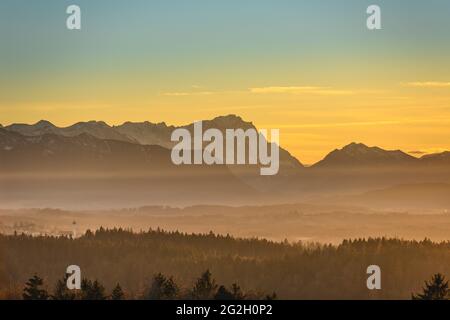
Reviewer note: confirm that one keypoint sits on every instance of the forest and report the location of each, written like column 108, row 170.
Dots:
column 156, row 264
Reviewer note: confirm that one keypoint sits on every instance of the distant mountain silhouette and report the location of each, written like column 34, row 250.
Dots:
column 52, row 152
column 144, row 133
column 442, row 158
column 151, row 133
column 354, row 155
column 147, row 132
column 86, row 169
column 360, row 155
column 98, row 129
column 143, row 149
column 85, row 152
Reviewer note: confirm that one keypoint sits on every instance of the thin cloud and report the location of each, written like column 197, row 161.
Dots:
column 428, row 151
column 184, row 94
column 300, row 90
column 359, row 123
column 427, row 84
column 295, row 90
column 338, row 124
column 419, row 153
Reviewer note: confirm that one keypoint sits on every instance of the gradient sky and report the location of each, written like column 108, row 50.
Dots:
column 310, row 68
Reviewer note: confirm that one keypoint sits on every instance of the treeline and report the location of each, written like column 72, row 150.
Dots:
column 293, row 271
column 160, row 288
column 205, row 288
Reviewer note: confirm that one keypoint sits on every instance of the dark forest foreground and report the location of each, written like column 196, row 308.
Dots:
column 293, row 271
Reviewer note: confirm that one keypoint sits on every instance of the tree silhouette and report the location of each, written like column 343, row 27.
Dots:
column 260, row 264
column 33, row 289
column 234, row 294
column 272, row 296
column 223, row 294
column 237, row 292
column 92, row 290
column 162, row 288
column 205, row 287
column 117, row 293
column 171, row 289
column 61, row 291
column 436, row 289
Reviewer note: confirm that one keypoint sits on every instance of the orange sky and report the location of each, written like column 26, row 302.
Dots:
column 312, row 120
column 311, row 69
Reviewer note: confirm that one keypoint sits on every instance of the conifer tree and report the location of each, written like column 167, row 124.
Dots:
column 92, row 290
column 223, row 294
column 162, row 288
column 234, row 294
column 272, row 296
column 117, row 293
column 237, row 292
column 205, row 287
column 33, row 289
column 436, row 289
column 61, row 291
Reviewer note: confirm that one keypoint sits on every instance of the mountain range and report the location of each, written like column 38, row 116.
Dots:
column 92, row 163
column 158, row 134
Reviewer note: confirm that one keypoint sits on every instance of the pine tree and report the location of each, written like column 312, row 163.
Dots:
column 117, row 293
column 436, row 289
column 237, row 292
column 157, row 287
column 171, row 289
column 205, row 287
column 92, row 290
column 61, row 291
column 272, row 296
column 223, row 294
column 33, row 289
column 234, row 294
column 162, row 288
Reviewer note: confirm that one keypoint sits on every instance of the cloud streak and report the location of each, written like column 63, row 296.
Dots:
column 293, row 90
column 184, row 94
column 427, row 84
column 301, row 90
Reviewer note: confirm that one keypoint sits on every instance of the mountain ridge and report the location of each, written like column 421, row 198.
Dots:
column 361, row 155
column 148, row 174
column 144, row 133
column 149, row 133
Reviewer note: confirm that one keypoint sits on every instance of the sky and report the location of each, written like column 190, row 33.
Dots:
column 309, row 68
